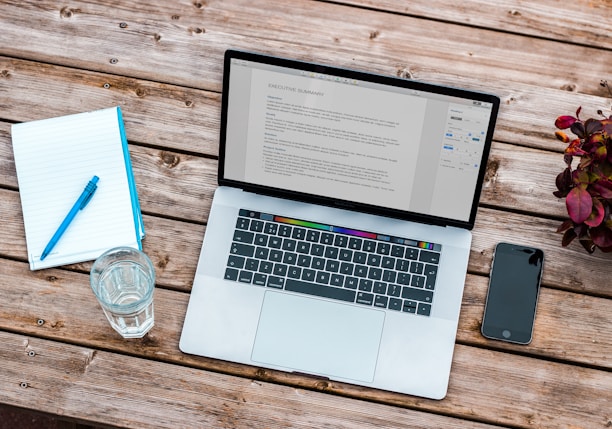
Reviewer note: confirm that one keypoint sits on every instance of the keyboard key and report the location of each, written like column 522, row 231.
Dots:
column 374, row 260
column 242, row 249
column 409, row 306
column 303, row 247
column 262, row 253
column 430, row 257
column 355, row 243
column 271, row 228
column 417, row 281
column 242, row 223
column 389, row 276
column 341, row 240
column 380, row 288
column 294, row 272
column 320, row 290
column 261, row 240
column 235, row 261
column 369, row 246
column 365, row 298
column 366, row 285
column 375, row 273
column 317, row 250
column 290, row 258
column 312, row 236
column 298, row 233
column 346, row 268
column 332, row 266
column 351, row 282
column 251, row 265
column 388, row 262
column 395, row 304
column 403, row 278
column 402, row 265
column 275, row 255
column 327, row 238
column 304, row 260
column 381, row 301
column 243, row 236
column 417, row 294
column 318, row 263
column 397, row 251
column 266, row 267
column 383, row 248
column 231, row 274
column 416, row 267
column 280, row 270
column 275, row 242
column 289, row 244
column 336, row 280
column 260, row 279
column 256, row 225
column 424, row 309
column 411, row 253
column 360, row 257
column 322, row 277
column 394, row 290
column 276, row 282
column 284, row 230
column 245, row 277
column 331, row 252
column 345, row 255
column 361, row 271
column 309, row 275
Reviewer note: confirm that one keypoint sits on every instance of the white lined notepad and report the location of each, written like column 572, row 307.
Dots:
column 55, row 159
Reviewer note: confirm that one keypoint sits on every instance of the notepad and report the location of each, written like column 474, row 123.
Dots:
column 55, row 158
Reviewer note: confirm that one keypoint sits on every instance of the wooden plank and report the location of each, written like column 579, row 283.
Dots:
column 583, row 23
column 566, row 328
column 74, row 382
column 188, row 120
column 567, row 268
column 158, row 114
column 70, row 314
column 183, row 44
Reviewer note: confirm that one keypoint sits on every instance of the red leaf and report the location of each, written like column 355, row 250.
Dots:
column 597, row 215
column 574, row 148
column 602, row 236
column 579, row 204
column 604, row 188
column 564, row 122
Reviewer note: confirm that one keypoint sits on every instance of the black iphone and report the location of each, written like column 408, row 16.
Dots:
column 514, row 285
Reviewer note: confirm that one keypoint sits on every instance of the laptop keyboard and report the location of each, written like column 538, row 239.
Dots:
column 333, row 262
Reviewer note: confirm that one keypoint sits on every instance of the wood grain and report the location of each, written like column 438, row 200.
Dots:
column 580, row 22
column 63, row 301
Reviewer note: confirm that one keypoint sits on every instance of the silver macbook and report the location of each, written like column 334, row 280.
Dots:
column 338, row 240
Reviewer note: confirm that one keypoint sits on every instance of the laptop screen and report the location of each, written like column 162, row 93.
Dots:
column 375, row 143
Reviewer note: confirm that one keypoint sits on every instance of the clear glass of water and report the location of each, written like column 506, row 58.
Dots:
column 123, row 281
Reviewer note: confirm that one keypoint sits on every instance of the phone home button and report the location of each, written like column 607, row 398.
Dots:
column 506, row 333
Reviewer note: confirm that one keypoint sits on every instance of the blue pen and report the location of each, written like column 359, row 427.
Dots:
column 78, row 206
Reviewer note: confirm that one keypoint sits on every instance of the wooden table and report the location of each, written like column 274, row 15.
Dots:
column 161, row 61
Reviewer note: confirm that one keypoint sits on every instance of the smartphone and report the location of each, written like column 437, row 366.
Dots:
column 514, row 285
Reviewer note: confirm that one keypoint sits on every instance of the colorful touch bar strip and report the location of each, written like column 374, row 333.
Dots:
column 353, row 232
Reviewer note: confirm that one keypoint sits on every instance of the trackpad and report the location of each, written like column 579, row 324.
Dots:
column 318, row 337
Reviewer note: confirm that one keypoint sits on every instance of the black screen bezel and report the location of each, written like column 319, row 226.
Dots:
column 358, row 75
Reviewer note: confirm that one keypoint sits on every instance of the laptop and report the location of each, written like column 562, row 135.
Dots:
column 338, row 239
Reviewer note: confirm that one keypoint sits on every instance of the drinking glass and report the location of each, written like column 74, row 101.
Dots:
column 123, row 281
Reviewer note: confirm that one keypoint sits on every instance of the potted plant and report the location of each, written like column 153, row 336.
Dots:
column 587, row 187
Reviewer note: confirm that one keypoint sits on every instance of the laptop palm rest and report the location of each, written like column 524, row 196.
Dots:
column 318, row 337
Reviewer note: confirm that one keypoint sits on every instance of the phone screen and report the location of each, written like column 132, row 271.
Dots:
column 513, row 293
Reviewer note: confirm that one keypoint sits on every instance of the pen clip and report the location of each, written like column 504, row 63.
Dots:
column 90, row 189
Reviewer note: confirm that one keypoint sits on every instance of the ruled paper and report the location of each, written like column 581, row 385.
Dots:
column 55, row 159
